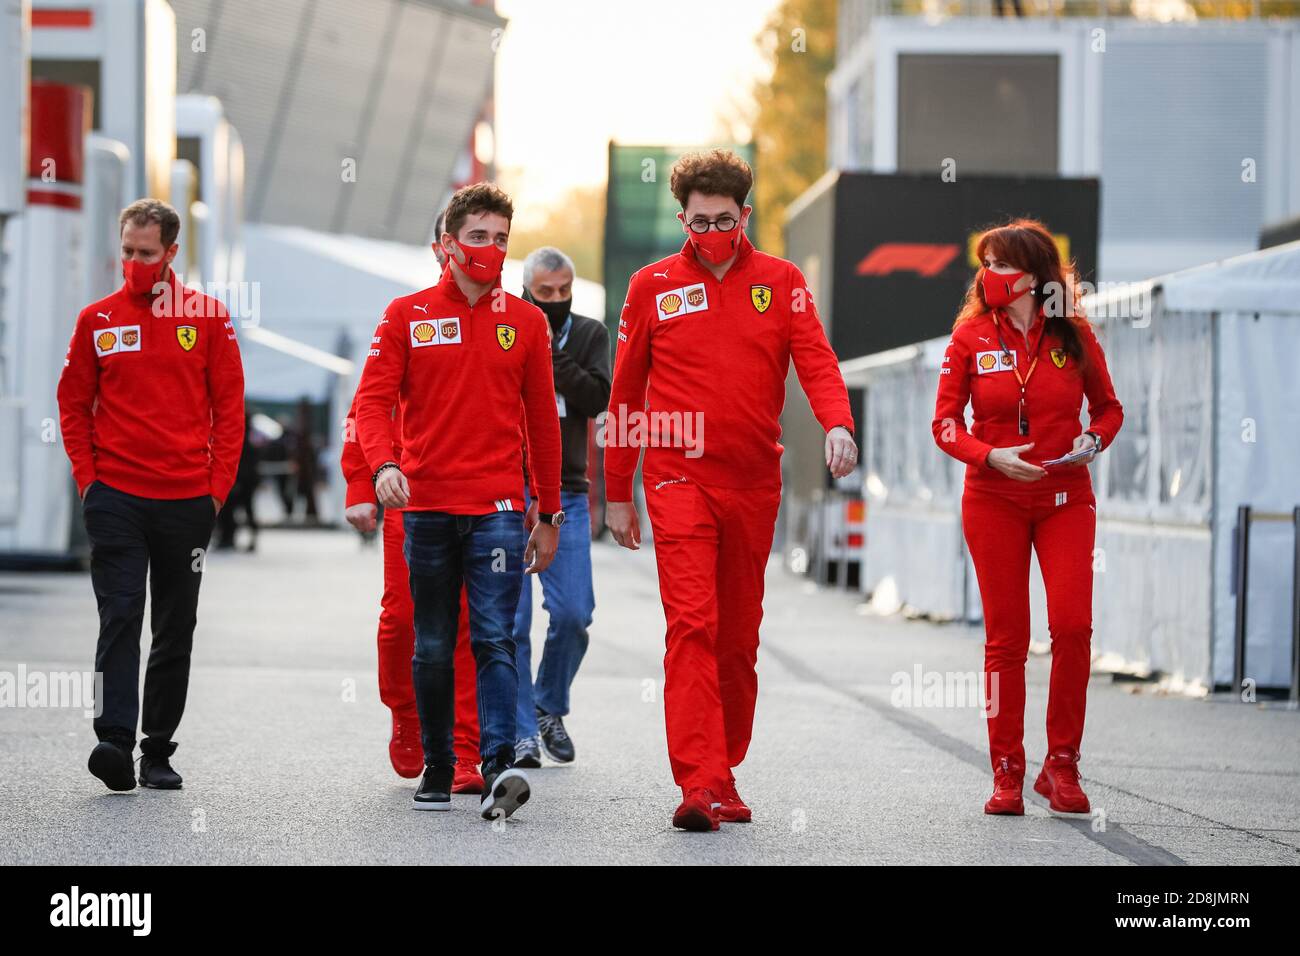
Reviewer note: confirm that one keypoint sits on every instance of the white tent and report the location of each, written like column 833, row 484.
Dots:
column 1206, row 368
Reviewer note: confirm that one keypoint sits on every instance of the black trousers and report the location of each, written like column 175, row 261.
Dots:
column 132, row 538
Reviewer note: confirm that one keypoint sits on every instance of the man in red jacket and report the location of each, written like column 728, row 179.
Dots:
column 706, row 338
column 459, row 358
column 151, row 403
column 396, row 639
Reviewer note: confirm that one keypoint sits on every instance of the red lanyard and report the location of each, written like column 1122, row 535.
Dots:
column 1023, row 417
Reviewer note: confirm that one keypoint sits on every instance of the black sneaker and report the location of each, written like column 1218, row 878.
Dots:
column 528, row 753
column 112, row 764
column 157, row 774
column 505, row 789
column 435, row 789
column 555, row 739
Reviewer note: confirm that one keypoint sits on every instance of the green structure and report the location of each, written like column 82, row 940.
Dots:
column 640, row 215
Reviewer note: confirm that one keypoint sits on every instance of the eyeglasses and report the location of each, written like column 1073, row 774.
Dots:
column 724, row 223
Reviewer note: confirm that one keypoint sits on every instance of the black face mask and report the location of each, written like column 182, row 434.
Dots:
column 556, row 312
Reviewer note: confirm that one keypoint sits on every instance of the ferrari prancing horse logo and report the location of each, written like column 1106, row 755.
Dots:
column 761, row 296
column 506, row 336
column 1059, row 357
column 187, row 335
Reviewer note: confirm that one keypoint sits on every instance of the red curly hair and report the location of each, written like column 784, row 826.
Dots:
column 1029, row 246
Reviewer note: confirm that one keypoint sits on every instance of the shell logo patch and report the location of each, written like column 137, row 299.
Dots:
column 761, row 296
column 506, row 337
column 683, row 301
column 106, row 342
column 423, row 333
column 994, row 361
column 1059, row 357
column 187, row 336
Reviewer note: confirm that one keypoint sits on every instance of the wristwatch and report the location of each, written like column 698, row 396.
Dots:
column 1096, row 438
column 555, row 520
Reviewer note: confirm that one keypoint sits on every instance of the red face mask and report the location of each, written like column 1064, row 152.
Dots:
column 141, row 277
column 482, row 263
column 999, row 288
column 714, row 246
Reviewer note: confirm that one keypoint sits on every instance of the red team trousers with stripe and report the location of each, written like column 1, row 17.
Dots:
column 699, row 381
column 396, row 639
column 1004, row 520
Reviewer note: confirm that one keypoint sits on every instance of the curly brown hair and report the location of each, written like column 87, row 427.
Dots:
column 714, row 172
column 477, row 198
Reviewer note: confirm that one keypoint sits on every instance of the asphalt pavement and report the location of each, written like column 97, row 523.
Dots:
column 284, row 743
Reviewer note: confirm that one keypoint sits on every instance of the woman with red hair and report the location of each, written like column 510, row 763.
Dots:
column 1024, row 357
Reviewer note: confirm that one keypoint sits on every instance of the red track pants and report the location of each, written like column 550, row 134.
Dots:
column 397, row 646
column 711, row 546
column 1000, row 530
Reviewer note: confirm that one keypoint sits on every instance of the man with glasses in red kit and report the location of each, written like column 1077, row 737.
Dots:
column 706, row 338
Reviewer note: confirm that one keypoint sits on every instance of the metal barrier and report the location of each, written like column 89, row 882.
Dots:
column 1241, row 568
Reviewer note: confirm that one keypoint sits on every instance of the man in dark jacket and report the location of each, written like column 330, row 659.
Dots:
column 580, row 359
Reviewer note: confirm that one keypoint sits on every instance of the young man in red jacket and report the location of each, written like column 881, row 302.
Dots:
column 151, row 403
column 458, row 359
column 705, row 340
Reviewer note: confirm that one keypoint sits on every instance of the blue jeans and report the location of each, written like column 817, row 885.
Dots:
column 569, row 600
column 486, row 553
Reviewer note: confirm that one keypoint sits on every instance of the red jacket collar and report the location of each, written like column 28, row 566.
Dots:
column 999, row 316
column 746, row 248
column 447, row 285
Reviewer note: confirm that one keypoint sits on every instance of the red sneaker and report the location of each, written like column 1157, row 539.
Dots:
column 467, row 779
column 733, row 809
column 1059, row 783
column 1008, row 784
column 404, row 748
column 698, row 811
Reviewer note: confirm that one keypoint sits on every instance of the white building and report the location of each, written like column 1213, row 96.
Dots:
column 1192, row 127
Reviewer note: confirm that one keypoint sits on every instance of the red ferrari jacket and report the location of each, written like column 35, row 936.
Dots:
column 151, row 398
column 699, row 375
column 976, row 370
column 457, row 374
column 357, row 472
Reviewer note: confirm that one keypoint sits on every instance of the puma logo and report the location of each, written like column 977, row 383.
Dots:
column 422, row 308
column 661, row 275
column 984, row 340
column 104, row 315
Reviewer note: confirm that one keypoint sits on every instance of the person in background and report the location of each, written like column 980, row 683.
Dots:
column 1024, row 357
column 241, row 495
column 151, row 405
column 306, row 464
column 580, row 363
column 396, row 638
